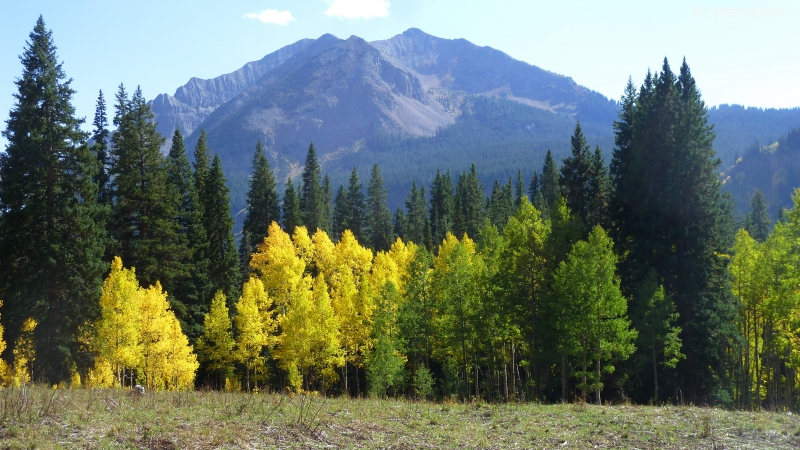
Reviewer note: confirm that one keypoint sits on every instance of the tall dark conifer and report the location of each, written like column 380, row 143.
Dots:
column 442, row 207
column 188, row 292
column 339, row 220
column 51, row 232
column 519, row 190
column 143, row 217
column 416, row 227
column 379, row 219
column 312, row 197
column 576, row 179
column 263, row 206
column 669, row 216
column 470, row 203
column 355, row 214
column 292, row 217
column 758, row 222
column 222, row 254
column 599, row 191
column 548, row 184
column 100, row 140
column 327, row 201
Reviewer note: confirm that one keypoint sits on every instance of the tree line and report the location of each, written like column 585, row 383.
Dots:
column 587, row 281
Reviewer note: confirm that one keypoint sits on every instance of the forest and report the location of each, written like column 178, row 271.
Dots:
column 624, row 282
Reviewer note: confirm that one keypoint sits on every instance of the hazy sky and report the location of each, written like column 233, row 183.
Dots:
column 739, row 52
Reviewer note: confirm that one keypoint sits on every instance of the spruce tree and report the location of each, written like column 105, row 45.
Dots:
column 188, row 292
column 669, row 216
column 470, row 204
column 548, row 184
column 312, row 196
column 442, row 207
column 758, row 222
column 339, row 220
column 599, row 191
column 291, row 208
column 576, row 178
column 263, row 206
column 51, row 233
column 202, row 162
column 400, row 226
column 355, row 214
column 223, row 270
column 327, row 197
column 379, row 219
column 416, row 227
column 144, row 206
column 100, row 148
column 520, row 190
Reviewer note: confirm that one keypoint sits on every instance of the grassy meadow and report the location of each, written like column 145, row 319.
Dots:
column 85, row 418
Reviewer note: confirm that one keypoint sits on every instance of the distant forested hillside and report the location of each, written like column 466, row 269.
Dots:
column 739, row 128
column 773, row 169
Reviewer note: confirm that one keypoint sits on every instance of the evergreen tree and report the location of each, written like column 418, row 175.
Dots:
column 263, row 206
column 292, row 217
column 100, row 148
column 312, row 196
column 202, row 162
column 576, row 178
column 500, row 205
column 469, row 204
column 758, row 222
column 399, row 222
column 442, row 207
column 223, row 270
column 379, row 219
column 534, row 188
column 669, row 215
column 327, row 196
column 416, row 227
column 145, row 207
column 599, row 191
column 355, row 214
column 339, row 219
column 520, row 190
column 51, row 234
column 187, row 291
column 548, row 184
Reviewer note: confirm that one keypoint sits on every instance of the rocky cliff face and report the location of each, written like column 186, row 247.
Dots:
column 337, row 93
column 198, row 98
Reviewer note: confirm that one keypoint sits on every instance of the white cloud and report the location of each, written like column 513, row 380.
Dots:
column 358, row 9
column 272, row 16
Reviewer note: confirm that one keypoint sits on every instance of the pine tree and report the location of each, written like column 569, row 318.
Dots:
column 548, row 184
column 292, row 218
column 576, row 179
column 186, row 290
column 442, row 207
column 223, row 259
column 52, row 238
column 519, row 190
column 312, row 196
column 379, row 219
column 500, row 205
column 599, row 191
column 399, row 221
column 100, row 136
column 144, row 208
column 416, row 227
column 340, row 213
column 263, row 206
column 758, row 222
column 356, row 214
column 327, row 196
column 669, row 216
column 469, row 204
column 202, row 161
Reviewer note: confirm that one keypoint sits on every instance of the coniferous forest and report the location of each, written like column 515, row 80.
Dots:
column 591, row 281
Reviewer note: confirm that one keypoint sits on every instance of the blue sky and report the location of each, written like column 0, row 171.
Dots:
column 739, row 52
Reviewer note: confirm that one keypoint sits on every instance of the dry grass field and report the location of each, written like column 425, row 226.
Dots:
column 43, row 419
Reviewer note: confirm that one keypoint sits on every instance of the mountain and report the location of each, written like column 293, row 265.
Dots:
column 773, row 169
column 413, row 103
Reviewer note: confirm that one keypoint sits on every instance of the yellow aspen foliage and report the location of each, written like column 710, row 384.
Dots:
column 303, row 244
column 216, row 344
column 324, row 253
column 24, row 354
column 350, row 254
column 181, row 362
column 278, row 266
column 309, row 345
column 117, row 331
column 253, row 333
column 4, row 372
